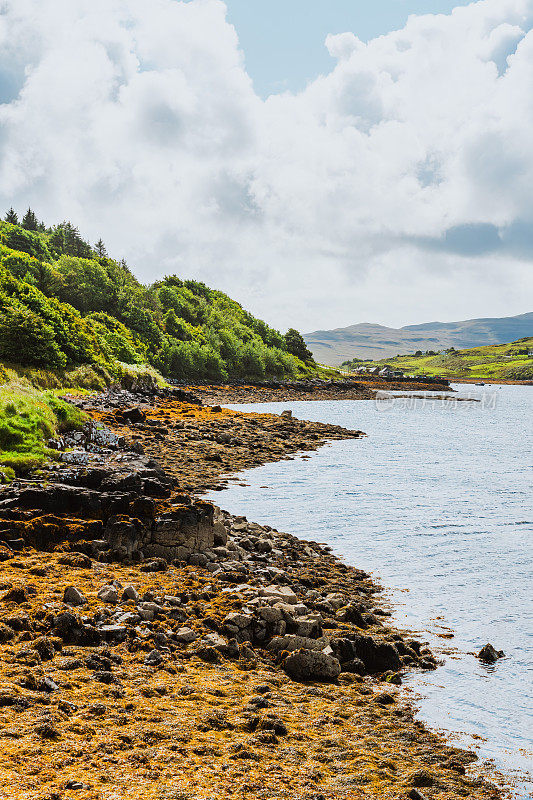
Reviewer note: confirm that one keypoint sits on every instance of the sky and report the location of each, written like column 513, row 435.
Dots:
column 283, row 40
column 324, row 162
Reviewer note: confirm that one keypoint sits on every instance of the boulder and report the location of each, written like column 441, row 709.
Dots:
column 73, row 597
column 305, row 665
column 489, row 654
column 130, row 593
column 108, row 594
column 279, row 594
column 153, row 659
column 185, row 635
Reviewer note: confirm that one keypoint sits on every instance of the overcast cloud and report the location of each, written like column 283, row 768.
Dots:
column 396, row 189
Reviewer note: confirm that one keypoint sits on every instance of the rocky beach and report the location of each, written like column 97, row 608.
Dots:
column 154, row 647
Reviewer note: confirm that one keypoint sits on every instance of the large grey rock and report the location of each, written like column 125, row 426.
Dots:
column 281, row 594
column 239, row 620
column 185, row 635
column 304, row 665
column 73, row 597
column 130, row 593
column 108, row 594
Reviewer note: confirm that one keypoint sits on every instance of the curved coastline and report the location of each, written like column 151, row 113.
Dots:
column 235, row 714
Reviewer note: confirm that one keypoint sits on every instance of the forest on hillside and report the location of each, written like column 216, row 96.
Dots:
column 65, row 303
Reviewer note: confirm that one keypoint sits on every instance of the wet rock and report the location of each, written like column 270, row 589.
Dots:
column 113, row 633
column 73, row 597
column 489, row 654
column 48, row 685
column 209, row 654
column 306, row 665
column 352, row 613
column 104, row 676
column 133, row 416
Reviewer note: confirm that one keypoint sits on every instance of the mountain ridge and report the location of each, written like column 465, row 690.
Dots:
column 367, row 340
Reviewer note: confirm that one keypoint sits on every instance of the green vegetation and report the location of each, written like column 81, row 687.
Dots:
column 28, row 418
column 71, row 315
column 512, row 362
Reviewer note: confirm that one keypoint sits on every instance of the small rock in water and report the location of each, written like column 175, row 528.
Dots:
column 489, row 654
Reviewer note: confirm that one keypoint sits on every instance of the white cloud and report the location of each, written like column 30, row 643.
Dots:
column 396, row 189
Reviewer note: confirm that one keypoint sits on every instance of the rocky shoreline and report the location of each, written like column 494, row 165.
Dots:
column 155, row 647
column 285, row 391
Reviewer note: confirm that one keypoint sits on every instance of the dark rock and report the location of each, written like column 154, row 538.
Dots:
column 104, row 676
column 73, row 596
column 209, row 654
column 421, row 778
column 79, row 560
column 352, row 613
column 489, row 654
column 44, row 647
column 153, row 659
column 306, row 665
column 154, row 565
column 113, row 633
column 133, row 416
column 6, row 633
column 414, row 794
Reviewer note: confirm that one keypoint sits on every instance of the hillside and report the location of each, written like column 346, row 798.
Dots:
column 369, row 341
column 513, row 362
column 67, row 307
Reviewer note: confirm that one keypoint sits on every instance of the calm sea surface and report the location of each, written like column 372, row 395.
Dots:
column 437, row 503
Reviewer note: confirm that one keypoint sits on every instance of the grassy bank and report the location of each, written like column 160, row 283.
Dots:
column 505, row 362
column 28, row 419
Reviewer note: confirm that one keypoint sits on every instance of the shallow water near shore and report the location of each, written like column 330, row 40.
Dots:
column 436, row 503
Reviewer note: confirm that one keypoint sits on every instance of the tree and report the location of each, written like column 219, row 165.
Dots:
column 12, row 216
column 296, row 345
column 100, row 249
column 30, row 221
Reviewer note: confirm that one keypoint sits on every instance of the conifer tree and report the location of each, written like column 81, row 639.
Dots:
column 12, row 216
column 100, row 249
column 29, row 221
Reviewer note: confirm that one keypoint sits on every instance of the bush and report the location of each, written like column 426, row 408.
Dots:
column 26, row 338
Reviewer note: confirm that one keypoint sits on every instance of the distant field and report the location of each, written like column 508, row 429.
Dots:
column 495, row 362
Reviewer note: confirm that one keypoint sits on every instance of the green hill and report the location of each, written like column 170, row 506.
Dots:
column 512, row 362
column 69, row 309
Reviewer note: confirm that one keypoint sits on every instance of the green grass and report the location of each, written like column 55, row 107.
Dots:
column 494, row 362
column 28, row 418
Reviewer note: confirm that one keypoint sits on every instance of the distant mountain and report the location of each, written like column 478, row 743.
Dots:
column 367, row 340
